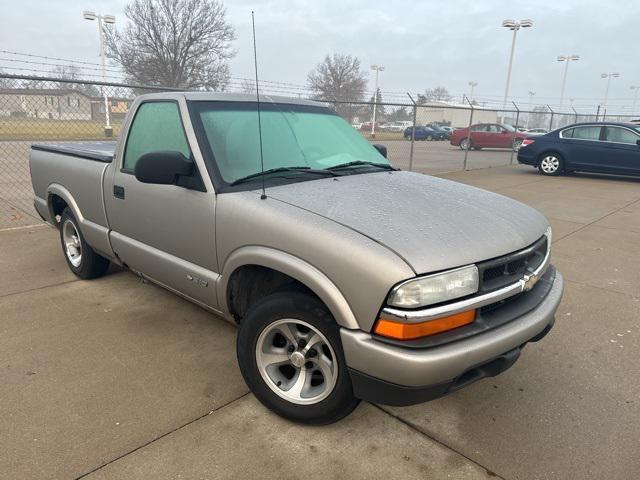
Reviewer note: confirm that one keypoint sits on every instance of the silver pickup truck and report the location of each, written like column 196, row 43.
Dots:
column 348, row 278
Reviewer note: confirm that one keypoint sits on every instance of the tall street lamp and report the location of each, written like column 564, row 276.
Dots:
column 102, row 19
column 567, row 59
column 531, row 94
column 514, row 26
column 635, row 97
column 377, row 69
column 608, row 76
column 472, row 85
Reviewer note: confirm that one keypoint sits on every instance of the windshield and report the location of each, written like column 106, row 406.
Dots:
column 292, row 136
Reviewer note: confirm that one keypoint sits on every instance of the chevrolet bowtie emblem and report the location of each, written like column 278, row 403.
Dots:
column 528, row 282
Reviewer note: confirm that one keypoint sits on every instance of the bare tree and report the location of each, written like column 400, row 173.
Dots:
column 437, row 94
column 72, row 72
column 174, row 43
column 338, row 77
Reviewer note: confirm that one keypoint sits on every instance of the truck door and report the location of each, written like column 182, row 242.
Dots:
column 166, row 232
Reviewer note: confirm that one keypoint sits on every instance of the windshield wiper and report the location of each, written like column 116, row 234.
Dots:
column 355, row 163
column 316, row 171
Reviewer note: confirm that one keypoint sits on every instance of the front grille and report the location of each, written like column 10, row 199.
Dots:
column 506, row 270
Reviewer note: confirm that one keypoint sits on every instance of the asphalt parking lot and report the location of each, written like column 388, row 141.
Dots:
column 116, row 378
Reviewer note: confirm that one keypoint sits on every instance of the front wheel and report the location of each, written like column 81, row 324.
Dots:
column 83, row 261
column 550, row 164
column 290, row 355
column 465, row 144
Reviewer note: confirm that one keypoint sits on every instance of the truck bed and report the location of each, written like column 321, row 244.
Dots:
column 97, row 151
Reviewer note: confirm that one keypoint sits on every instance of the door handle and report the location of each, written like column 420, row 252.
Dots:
column 118, row 191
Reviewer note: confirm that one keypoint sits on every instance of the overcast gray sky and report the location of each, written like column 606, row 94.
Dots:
column 421, row 43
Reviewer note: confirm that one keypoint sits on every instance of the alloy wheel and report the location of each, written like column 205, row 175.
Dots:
column 296, row 361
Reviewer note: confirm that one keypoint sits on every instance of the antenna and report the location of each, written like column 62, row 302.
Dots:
column 255, row 63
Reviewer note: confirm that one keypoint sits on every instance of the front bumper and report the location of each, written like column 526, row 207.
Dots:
column 395, row 375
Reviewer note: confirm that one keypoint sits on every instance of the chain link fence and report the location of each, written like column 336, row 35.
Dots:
column 418, row 137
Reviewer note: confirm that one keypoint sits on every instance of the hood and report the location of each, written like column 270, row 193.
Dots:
column 431, row 223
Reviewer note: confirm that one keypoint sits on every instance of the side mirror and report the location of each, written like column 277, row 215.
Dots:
column 162, row 167
column 381, row 148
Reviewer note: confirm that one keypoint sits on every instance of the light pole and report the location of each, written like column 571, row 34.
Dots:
column 608, row 76
column 567, row 59
column 531, row 94
column 102, row 19
column 472, row 85
column 514, row 26
column 636, row 88
column 377, row 69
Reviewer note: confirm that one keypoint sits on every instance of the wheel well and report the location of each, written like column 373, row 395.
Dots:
column 57, row 206
column 250, row 283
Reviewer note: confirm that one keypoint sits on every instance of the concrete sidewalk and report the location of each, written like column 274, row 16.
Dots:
column 116, row 378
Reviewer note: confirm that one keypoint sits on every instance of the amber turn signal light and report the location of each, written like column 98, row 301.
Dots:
column 410, row 331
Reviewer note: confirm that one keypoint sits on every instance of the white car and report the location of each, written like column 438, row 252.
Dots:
column 537, row 131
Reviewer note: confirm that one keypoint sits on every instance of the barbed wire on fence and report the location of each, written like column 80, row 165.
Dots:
column 36, row 109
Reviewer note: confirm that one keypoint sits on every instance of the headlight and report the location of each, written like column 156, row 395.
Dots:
column 436, row 288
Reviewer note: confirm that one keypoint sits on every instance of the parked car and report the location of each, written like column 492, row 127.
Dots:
column 447, row 128
column 487, row 135
column 604, row 147
column 392, row 127
column 423, row 133
column 444, row 134
column 536, row 131
column 348, row 279
column 357, row 126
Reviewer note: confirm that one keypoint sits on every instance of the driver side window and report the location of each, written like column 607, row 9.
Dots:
column 156, row 127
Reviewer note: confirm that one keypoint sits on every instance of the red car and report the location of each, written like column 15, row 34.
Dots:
column 488, row 135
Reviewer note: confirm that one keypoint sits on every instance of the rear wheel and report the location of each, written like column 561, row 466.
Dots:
column 550, row 164
column 80, row 257
column 465, row 143
column 290, row 355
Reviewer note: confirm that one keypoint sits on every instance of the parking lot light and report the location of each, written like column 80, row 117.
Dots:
column 608, row 76
column 473, row 85
column 567, row 59
column 102, row 19
column 636, row 88
column 377, row 69
column 514, row 26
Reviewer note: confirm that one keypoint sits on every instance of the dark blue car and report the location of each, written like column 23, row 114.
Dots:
column 602, row 147
column 423, row 133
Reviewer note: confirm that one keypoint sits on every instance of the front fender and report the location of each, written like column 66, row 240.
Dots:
column 296, row 268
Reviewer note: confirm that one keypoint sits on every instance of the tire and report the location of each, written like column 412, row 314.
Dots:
column 272, row 327
column 429, row 138
column 517, row 143
column 465, row 143
column 83, row 261
column 551, row 164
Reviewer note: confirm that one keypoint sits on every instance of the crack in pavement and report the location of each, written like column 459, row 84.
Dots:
column 139, row 447
column 424, row 433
